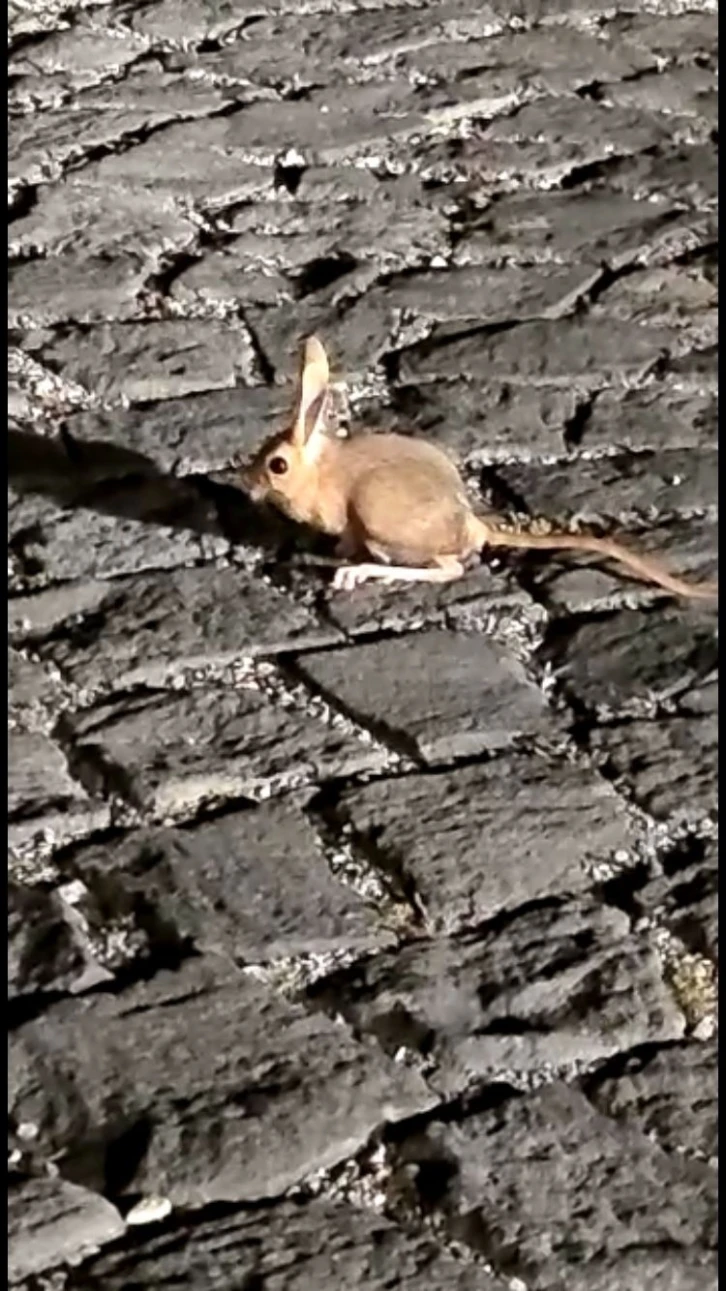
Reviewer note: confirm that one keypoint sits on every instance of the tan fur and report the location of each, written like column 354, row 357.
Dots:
column 650, row 570
column 398, row 499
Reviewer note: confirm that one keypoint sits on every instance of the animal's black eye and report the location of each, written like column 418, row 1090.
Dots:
column 277, row 465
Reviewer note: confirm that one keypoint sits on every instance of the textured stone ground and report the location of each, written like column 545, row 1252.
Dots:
column 364, row 939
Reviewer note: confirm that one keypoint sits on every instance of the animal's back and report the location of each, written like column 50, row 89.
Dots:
column 408, row 499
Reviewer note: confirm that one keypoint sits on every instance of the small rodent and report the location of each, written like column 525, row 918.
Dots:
column 396, row 499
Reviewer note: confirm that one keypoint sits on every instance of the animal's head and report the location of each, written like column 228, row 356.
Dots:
column 284, row 470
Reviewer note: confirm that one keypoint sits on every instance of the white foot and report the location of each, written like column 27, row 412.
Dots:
column 347, row 577
column 350, row 576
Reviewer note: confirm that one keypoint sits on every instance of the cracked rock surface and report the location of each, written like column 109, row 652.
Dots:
column 365, row 938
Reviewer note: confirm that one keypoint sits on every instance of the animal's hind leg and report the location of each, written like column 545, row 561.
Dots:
column 445, row 570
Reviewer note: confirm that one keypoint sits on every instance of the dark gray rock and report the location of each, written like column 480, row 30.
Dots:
column 484, row 293
column 567, row 352
column 685, row 898
column 30, row 685
column 166, row 20
column 695, row 370
column 153, row 626
column 685, row 92
column 186, row 160
column 231, row 276
column 676, row 479
column 552, row 984
column 172, row 752
column 657, row 417
column 105, row 117
column 45, row 143
column 558, row 1195
column 200, row 1087
column 365, row 325
column 52, row 1222
column 549, row 138
column 621, row 656
column 482, row 838
column 592, row 228
column 445, row 40
column 39, row 781
column 43, row 798
column 320, row 188
column 33, row 617
column 155, row 94
column 317, row 47
column 435, row 694
column 479, row 600
column 290, row 249
column 363, row 328
column 669, row 34
column 325, row 126
column 686, row 173
column 321, row 124
column 132, row 527
column 666, row 297
column 71, row 287
column 472, row 417
column 151, row 360
column 701, row 699
column 252, row 884
column 288, row 1247
column 92, row 270
column 538, row 59
column 668, row 766
column 199, row 433
column 565, row 581
column 85, row 221
column 44, row 954
column 76, row 56
column 670, row 1095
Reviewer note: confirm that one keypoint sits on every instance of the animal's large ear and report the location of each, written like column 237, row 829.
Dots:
column 314, row 378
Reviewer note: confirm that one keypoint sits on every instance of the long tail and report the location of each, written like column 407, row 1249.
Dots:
column 650, row 570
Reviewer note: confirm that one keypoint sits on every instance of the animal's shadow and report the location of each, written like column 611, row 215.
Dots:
column 112, row 480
